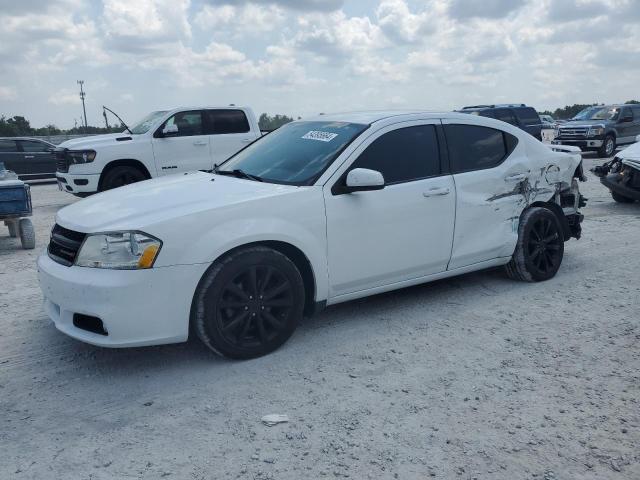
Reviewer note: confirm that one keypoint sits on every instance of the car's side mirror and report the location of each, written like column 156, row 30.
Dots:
column 363, row 179
column 170, row 130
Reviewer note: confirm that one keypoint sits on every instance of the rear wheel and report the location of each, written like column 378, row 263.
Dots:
column 249, row 303
column 120, row 176
column 540, row 247
column 621, row 198
column 13, row 228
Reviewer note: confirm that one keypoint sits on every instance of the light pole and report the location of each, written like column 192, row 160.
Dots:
column 84, row 110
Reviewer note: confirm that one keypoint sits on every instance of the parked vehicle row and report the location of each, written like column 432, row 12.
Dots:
column 516, row 114
column 318, row 212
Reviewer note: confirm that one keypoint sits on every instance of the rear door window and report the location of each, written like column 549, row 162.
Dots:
column 473, row 147
column 527, row 116
column 505, row 115
column 403, row 155
column 225, row 121
column 31, row 146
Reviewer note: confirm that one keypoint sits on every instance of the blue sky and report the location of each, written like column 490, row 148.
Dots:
column 301, row 57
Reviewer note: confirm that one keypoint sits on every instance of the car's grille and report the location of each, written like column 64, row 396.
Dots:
column 62, row 163
column 573, row 132
column 64, row 245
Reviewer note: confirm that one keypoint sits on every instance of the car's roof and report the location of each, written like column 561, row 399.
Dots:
column 204, row 107
column 369, row 117
column 25, row 138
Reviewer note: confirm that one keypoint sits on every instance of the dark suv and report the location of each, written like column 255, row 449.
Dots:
column 601, row 128
column 517, row 114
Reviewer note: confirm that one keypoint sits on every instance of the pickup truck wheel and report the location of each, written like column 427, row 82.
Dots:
column 249, row 303
column 120, row 176
column 27, row 234
column 621, row 198
column 540, row 247
column 608, row 147
column 13, row 228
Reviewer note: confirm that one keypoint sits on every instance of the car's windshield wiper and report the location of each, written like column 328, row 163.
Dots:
column 238, row 173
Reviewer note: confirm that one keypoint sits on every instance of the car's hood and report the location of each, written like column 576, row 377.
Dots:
column 583, row 123
column 632, row 152
column 136, row 206
column 96, row 141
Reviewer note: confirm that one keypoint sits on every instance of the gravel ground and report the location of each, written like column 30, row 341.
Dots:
column 472, row 377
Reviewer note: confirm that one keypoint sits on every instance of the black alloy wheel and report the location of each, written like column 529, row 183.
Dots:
column 540, row 246
column 121, row 176
column 248, row 303
column 253, row 306
column 544, row 245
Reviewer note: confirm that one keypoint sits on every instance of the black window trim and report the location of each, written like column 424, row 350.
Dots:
column 34, row 140
column 504, row 140
column 158, row 132
column 337, row 187
column 15, row 143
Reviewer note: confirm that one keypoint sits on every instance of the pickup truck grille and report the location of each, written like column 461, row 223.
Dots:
column 62, row 163
column 578, row 132
column 64, row 245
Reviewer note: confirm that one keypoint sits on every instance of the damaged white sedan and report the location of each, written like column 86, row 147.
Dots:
column 319, row 212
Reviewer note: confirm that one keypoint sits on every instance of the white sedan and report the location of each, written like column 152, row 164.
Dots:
column 319, row 212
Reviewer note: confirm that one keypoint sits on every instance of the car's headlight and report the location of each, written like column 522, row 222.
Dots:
column 595, row 131
column 119, row 250
column 81, row 156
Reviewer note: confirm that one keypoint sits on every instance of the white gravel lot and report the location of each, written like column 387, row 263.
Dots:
column 476, row 377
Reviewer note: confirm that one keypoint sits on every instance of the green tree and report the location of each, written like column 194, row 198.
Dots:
column 267, row 122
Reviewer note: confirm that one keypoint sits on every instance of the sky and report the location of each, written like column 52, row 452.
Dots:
column 303, row 57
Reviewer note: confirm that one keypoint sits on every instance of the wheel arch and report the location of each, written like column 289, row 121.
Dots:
column 293, row 253
column 123, row 162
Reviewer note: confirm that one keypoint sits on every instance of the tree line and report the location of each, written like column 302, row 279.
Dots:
column 19, row 126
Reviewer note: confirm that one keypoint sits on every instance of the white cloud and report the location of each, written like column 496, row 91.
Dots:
column 65, row 97
column 7, row 93
column 249, row 19
column 399, row 23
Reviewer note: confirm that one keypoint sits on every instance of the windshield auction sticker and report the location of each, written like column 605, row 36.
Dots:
column 318, row 135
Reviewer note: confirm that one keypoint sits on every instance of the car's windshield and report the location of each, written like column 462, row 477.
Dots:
column 598, row 113
column 147, row 122
column 296, row 153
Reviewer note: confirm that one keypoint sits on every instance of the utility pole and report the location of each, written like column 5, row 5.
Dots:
column 82, row 95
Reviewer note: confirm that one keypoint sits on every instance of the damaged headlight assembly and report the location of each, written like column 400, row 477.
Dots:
column 129, row 250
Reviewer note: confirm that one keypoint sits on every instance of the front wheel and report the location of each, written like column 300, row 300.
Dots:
column 608, row 147
column 540, row 247
column 249, row 303
column 121, row 176
column 27, row 234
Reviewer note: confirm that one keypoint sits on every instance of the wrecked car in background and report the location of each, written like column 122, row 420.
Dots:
column 622, row 174
column 316, row 213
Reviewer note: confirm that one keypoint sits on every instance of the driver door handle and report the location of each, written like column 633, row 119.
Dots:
column 29, row 156
column 434, row 192
column 247, row 140
column 200, row 142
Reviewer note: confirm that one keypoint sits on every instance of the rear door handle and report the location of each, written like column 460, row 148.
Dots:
column 518, row 177
column 434, row 192
column 200, row 142
column 29, row 156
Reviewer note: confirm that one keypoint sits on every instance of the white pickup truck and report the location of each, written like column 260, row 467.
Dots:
column 162, row 143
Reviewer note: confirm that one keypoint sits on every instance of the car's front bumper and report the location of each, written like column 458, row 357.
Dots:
column 136, row 307
column 585, row 144
column 619, row 184
column 77, row 183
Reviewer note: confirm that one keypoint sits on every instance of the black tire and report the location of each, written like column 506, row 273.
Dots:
column 13, row 228
column 121, row 176
column 621, row 198
column 608, row 147
column 27, row 234
column 249, row 303
column 540, row 247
